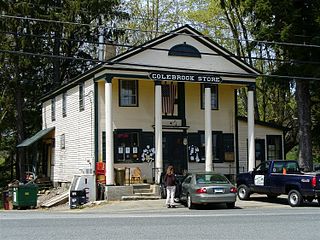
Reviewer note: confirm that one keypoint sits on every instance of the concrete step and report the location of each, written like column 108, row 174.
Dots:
column 142, row 191
column 135, row 198
column 141, row 186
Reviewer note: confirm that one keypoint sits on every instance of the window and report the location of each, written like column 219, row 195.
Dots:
column 128, row 95
column 81, row 96
column 260, row 151
column 62, row 142
column 184, row 50
column 53, row 109
column 127, row 146
column 274, row 147
column 262, row 168
column 196, row 147
column 64, row 104
column 214, row 97
column 228, row 145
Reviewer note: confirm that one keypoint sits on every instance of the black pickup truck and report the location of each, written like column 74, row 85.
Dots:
column 274, row 178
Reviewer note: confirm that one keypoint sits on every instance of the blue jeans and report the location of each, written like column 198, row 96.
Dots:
column 170, row 195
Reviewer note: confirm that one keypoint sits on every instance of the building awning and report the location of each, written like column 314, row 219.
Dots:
column 35, row 137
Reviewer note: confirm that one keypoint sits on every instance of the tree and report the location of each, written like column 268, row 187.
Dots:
column 296, row 22
column 65, row 30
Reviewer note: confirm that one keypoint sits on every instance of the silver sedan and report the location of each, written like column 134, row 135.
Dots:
column 207, row 187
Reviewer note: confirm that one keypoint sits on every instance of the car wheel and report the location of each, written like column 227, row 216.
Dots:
column 318, row 199
column 294, row 198
column 190, row 205
column 231, row 205
column 243, row 192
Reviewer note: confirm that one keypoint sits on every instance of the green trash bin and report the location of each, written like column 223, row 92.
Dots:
column 119, row 176
column 25, row 196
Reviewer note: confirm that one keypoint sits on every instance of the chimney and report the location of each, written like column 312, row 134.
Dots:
column 110, row 50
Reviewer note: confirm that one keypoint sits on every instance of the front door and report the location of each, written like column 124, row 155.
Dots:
column 174, row 151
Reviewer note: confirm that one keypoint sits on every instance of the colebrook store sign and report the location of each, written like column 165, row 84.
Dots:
column 184, row 77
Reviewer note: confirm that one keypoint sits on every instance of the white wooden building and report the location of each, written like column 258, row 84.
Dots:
column 170, row 101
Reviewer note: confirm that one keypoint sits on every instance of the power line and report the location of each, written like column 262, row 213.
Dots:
column 230, row 74
column 158, row 32
column 167, row 50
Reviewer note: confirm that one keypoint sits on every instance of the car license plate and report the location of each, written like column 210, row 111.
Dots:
column 218, row 190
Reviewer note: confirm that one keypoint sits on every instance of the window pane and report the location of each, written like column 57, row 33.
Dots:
column 81, row 97
column 274, row 147
column 128, row 93
column 214, row 96
column 53, row 109
column 127, row 146
column 64, row 104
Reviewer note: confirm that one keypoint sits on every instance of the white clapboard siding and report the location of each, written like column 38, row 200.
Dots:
column 78, row 129
column 260, row 133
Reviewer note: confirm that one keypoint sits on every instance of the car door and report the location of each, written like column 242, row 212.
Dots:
column 261, row 181
column 185, row 186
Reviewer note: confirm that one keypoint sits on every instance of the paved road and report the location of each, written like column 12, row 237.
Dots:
column 255, row 219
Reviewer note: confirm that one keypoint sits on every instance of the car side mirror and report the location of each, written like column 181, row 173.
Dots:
column 301, row 169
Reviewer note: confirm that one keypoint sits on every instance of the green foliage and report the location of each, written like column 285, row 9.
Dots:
column 25, row 78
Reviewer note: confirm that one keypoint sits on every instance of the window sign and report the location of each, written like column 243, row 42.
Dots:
column 127, row 146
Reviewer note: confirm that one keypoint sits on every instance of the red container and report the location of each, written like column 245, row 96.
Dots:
column 100, row 168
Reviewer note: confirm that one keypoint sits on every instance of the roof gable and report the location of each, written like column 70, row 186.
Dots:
column 156, row 53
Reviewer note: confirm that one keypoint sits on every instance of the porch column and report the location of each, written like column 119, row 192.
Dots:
column 251, row 142
column 109, row 132
column 208, row 127
column 158, row 132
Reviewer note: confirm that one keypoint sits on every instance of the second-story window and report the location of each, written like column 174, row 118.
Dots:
column 53, row 109
column 64, row 104
column 81, row 97
column 214, row 97
column 128, row 93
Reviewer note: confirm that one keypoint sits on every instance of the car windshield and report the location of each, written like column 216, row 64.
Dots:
column 210, row 179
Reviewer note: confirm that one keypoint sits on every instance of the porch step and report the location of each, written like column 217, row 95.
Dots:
column 44, row 183
column 135, row 198
column 142, row 192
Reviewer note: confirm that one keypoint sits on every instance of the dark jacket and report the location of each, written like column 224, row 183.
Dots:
column 170, row 180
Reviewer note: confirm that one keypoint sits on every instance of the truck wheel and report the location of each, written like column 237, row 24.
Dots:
column 243, row 192
column 294, row 198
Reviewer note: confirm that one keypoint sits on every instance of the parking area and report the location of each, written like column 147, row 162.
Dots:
column 256, row 202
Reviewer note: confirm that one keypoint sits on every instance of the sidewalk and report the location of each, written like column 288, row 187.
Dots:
column 256, row 201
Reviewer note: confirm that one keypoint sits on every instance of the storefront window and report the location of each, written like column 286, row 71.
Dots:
column 214, row 97
column 128, row 93
column 196, row 147
column 127, row 146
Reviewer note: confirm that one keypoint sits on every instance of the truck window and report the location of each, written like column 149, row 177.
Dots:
column 278, row 167
column 292, row 167
column 263, row 168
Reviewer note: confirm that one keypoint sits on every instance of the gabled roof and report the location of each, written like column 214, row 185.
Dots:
column 127, row 59
column 188, row 31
